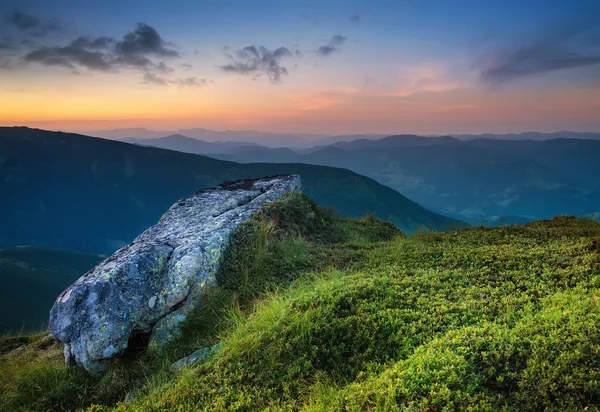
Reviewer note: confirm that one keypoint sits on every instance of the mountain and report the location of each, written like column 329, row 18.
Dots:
column 32, row 278
column 250, row 136
column 473, row 180
column 186, row 144
column 83, row 193
column 531, row 136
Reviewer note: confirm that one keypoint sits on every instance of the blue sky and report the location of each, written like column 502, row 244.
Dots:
column 419, row 66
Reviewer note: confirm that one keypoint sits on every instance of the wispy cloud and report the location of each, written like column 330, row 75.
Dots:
column 154, row 79
column 320, row 100
column 31, row 24
column 356, row 18
column 561, row 47
column 254, row 60
column 333, row 45
column 427, row 78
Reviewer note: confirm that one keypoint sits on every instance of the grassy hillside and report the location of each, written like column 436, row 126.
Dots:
column 31, row 278
column 83, row 193
column 319, row 313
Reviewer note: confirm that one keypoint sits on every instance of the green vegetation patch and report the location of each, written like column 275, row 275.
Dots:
column 319, row 313
column 290, row 237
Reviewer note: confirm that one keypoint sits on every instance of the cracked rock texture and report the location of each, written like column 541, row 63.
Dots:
column 150, row 285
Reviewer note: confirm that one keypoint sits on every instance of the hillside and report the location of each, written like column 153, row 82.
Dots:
column 471, row 180
column 82, row 193
column 319, row 313
column 186, row 144
column 31, row 278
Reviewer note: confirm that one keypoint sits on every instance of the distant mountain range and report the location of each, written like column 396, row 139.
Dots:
column 307, row 140
column 89, row 194
column 475, row 180
column 248, row 136
column 530, row 136
column 478, row 178
column 190, row 145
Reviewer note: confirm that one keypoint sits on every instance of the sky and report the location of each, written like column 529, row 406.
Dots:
column 302, row 66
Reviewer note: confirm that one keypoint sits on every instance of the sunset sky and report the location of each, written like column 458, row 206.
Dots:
column 396, row 66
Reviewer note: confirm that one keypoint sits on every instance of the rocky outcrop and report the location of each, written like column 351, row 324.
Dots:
column 152, row 284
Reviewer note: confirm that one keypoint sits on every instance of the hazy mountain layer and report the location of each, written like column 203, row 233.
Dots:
column 475, row 179
column 78, row 192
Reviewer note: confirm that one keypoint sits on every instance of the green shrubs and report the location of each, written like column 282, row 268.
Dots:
column 318, row 313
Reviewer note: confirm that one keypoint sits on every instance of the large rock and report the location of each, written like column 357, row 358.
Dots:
column 151, row 284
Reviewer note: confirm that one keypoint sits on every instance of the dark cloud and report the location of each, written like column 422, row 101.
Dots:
column 333, row 45
column 562, row 48
column 134, row 51
column 356, row 18
column 254, row 60
column 23, row 21
column 144, row 40
column 70, row 57
column 93, row 42
column 32, row 24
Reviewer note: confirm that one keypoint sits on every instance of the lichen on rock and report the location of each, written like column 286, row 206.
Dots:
column 150, row 285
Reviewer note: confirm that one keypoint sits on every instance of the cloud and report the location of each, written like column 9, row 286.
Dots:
column 254, row 60
column 70, row 57
column 333, row 45
column 32, row 24
column 7, row 44
column 93, row 43
column 313, row 19
column 427, row 78
column 144, row 40
column 151, row 78
column 190, row 82
column 187, row 66
column 356, row 18
column 561, row 48
column 134, row 51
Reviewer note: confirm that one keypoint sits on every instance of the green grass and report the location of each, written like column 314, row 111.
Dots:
column 319, row 313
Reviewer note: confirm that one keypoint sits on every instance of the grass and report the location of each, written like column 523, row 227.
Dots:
column 319, row 313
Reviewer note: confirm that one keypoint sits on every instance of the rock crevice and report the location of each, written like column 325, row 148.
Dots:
column 150, row 285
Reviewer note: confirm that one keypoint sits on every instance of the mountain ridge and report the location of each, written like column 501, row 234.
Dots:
column 115, row 189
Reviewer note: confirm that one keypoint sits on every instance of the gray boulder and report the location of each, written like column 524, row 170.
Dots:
column 152, row 284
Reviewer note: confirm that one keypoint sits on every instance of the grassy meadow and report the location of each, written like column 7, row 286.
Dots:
column 314, row 313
